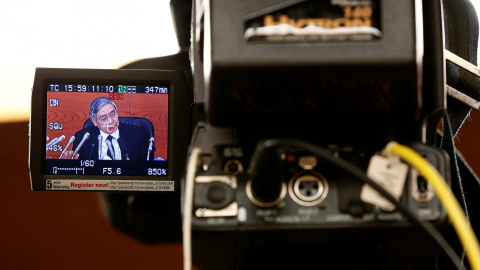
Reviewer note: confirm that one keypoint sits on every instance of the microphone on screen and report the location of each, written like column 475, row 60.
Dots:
column 85, row 137
column 72, row 139
column 55, row 141
column 150, row 147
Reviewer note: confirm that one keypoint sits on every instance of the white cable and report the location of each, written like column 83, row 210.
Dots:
column 188, row 206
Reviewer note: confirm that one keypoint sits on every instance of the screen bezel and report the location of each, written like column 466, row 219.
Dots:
column 178, row 118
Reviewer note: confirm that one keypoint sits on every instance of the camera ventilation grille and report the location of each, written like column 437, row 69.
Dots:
column 270, row 96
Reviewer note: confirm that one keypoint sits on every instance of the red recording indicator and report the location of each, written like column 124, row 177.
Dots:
column 290, row 158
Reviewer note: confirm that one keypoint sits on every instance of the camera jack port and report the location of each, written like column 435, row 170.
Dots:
column 308, row 188
column 266, row 203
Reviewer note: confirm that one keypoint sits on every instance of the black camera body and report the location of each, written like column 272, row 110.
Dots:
column 348, row 76
column 250, row 66
column 316, row 212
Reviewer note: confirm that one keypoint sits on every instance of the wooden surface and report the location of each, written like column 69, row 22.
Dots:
column 66, row 230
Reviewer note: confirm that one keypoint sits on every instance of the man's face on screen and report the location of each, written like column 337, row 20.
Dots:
column 107, row 119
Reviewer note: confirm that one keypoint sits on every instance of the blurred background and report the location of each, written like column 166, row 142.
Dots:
column 66, row 230
column 75, row 34
column 59, row 230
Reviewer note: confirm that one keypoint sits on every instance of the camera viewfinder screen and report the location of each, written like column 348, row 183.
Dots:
column 106, row 129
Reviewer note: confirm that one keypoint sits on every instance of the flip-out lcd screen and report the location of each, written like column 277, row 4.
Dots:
column 110, row 130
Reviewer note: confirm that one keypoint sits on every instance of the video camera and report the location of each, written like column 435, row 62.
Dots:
column 263, row 134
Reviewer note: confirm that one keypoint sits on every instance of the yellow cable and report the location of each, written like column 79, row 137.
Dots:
column 446, row 197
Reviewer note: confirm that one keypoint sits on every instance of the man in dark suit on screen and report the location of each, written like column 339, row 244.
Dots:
column 109, row 139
